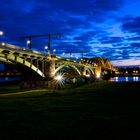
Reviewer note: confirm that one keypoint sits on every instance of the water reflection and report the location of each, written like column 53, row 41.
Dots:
column 116, row 79
column 125, row 79
column 7, row 79
column 135, row 78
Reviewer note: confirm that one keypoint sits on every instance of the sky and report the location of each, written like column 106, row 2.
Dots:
column 98, row 28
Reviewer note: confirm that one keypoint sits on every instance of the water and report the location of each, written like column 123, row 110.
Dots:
column 8, row 79
column 114, row 79
column 125, row 79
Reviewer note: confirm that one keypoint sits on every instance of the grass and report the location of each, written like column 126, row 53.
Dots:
column 101, row 109
column 10, row 87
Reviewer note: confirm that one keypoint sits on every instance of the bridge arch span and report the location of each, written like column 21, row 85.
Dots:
column 10, row 58
column 90, row 70
column 64, row 65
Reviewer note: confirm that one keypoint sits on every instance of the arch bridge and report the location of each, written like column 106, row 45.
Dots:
column 44, row 65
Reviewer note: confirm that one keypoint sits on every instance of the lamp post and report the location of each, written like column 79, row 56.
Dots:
column 3, row 44
column 29, row 43
column 77, row 57
column 1, row 34
column 63, row 53
column 54, row 50
column 45, row 48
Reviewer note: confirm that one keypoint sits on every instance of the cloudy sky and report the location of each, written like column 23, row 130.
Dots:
column 104, row 28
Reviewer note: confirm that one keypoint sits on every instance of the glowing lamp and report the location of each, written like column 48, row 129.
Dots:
column 3, row 44
column 1, row 33
column 87, row 75
column 98, row 75
column 28, row 42
column 46, row 47
column 58, row 77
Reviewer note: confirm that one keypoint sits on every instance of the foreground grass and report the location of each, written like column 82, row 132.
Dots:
column 11, row 87
column 97, row 110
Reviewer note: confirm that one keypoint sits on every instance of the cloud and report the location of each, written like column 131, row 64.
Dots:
column 135, row 45
column 111, row 40
column 93, row 26
column 126, row 62
column 132, row 25
column 137, row 38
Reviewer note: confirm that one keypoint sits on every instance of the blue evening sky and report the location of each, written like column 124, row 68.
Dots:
column 103, row 28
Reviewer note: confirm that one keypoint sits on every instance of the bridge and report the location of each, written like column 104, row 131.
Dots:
column 46, row 66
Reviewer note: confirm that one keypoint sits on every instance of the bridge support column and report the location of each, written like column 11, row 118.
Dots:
column 83, row 70
column 49, row 68
column 98, row 71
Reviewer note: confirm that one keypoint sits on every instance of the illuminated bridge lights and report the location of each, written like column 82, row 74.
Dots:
column 98, row 75
column 37, row 62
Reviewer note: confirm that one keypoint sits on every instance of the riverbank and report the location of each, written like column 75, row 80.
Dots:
column 100, row 109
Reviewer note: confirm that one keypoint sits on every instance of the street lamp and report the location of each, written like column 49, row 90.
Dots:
column 1, row 34
column 71, row 55
column 45, row 48
column 63, row 53
column 54, row 50
column 29, row 43
column 98, row 74
column 3, row 44
column 77, row 57
column 58, row 77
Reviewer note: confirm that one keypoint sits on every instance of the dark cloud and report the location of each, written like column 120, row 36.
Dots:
column 86, row 36
column 40, row 15
column 111, row 40
column 113, row 55
column 135, row 45
column 81, row 23
column 134, row 38
column 132, row 25
column 82, row 6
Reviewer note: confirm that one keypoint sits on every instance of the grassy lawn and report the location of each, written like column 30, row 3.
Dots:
column 10, row 87
column 101, row 109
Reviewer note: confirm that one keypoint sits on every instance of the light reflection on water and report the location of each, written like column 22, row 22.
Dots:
column 125, row 79
column 7, row 79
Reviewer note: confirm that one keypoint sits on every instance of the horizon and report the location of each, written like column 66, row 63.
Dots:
column 125, row 63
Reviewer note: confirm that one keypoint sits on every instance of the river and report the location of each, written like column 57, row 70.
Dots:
column 113, row 79
column 7, row 79
column 125, row 79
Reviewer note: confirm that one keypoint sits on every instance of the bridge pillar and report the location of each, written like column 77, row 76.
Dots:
column 98, row 71
column 83, row 70
column 49, row 68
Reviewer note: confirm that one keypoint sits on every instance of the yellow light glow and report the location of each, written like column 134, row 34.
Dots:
column 58, row 77
column 87, row 75
column 98, row 75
